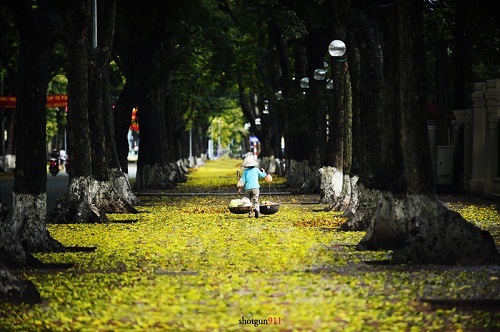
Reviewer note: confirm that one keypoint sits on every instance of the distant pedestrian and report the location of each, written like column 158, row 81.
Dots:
column 62, row 157
column 250, row 179
column 54, row 154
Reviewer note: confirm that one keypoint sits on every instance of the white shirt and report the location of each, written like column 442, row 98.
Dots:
column 62, row 155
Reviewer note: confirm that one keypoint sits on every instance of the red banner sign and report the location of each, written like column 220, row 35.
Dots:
column 57, row 101
column 7, row 102
column 52, row 101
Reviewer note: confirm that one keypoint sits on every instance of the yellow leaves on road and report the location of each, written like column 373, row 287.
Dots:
column 188, row 264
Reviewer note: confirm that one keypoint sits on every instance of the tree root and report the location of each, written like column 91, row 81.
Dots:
column 88, row 201
column 13, row 289
column 421, row 230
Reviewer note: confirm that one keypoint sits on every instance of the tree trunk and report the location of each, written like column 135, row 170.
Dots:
column 123, row 115
column 153, row 171
column 87, row 201
column 13, row 289
column 91, row 193
column 370, row 155
column 117, row 175
column 105, row 166
column 134, row 45
column 410, row 219
column 156, row 165
column 331, row 184
column 339, row 146
column 13, row 255
column 26, row 229
column 29, row 210
column 78, row 113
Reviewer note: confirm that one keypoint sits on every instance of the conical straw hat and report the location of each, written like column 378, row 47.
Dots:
column 249, row 161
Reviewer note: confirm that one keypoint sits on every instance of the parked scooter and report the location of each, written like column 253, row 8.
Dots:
column 54, row 166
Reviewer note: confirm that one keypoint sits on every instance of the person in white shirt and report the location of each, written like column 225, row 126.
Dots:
column 62, row 157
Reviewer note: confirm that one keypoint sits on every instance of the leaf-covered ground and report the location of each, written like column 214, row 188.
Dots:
column 188, row 264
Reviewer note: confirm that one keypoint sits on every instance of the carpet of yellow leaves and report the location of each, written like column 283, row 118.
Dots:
column 188, row 264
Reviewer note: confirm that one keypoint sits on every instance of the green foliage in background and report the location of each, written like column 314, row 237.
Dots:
column 187, row 264
column 56, row 117
column 229, row 130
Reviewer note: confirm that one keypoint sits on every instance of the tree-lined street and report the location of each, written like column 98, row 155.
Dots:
column 186, row 263
column 346, row 101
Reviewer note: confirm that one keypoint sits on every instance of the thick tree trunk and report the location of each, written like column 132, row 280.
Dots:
column 78, row 115
column 362, row 205
column 155, row 177
column 13, row 289
column 104, row 154
column 156, row 169
column 100, row 159
column 88, row 201
column 375, row 141
column 116, row 174
column 123, row 116
column 421, row 230
column 123, row 188
column 414, row 134
column 29, row 215
column 312, row 182
column 26, row 229
column 157, row 166
column 134, row 46
column 339, row 147
column 304, row 178
column 29, row 194
column 409, row 218
column 331, row 184
column 437, row 235
column 91, row 193
column 13, row 255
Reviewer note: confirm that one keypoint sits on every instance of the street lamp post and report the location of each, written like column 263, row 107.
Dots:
column 337, row 50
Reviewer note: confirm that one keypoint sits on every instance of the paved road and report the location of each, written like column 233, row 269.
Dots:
column 56, row 186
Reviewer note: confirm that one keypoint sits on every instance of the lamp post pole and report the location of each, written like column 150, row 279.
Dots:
column 339, row 148
column 94, row 24
column 335, row 117
column 218, row 140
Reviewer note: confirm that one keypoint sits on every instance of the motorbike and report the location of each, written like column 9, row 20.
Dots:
column 54, row 166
